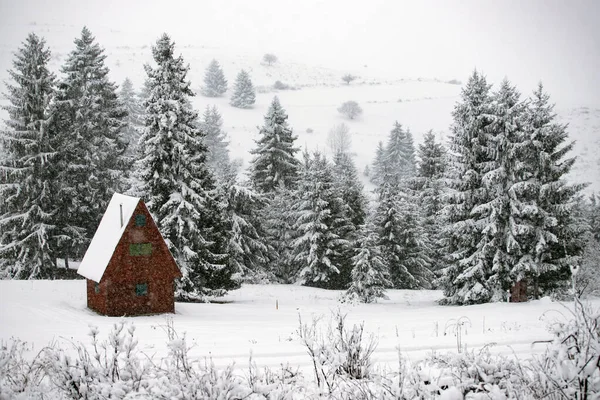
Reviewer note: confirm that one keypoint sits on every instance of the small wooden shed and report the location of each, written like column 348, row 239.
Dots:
column 128, row 266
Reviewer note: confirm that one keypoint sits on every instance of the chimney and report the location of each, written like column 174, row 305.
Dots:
column 121, row 212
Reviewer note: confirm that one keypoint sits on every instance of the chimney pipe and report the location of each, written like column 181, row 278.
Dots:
column 121, row 209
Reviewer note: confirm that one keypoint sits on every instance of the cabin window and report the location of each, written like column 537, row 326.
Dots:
column 140, row 249
column 141, row 289
column 140, row 220
column 97, row 287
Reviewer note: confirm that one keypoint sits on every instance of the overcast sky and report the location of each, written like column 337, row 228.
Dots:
column 555, row 41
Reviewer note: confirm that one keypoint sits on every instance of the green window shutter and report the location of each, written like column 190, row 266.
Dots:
column 140, row 249
column 141, row 289
column 140, row 220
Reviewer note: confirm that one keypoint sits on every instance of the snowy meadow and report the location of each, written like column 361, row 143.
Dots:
column 251, row 345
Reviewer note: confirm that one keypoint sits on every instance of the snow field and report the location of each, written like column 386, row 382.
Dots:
column 248, row 322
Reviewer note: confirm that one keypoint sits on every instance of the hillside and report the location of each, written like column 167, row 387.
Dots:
column 420, row 104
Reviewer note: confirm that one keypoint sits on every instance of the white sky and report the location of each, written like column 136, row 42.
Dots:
column 555, row 41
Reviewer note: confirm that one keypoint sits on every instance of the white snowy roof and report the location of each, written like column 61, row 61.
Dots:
column 107, row 236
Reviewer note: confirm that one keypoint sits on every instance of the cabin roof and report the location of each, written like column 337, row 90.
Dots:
column 107, row 236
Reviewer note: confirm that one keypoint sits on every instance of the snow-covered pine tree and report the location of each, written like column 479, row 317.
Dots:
column 26, row 176
column 465, row 279
column 350, row 188
column 215, row 84
column 216, row 141
column 430, row 190
column 243, row 95
column 379, row 166
column 134, row 119
column 593, row 216
column 399, row 158
column 248, row 251
column 369, row 273
column 403, row 241
column 277, row 218
column 556, row 240
column 274, row 164
column 88, row 124
column 321, row 221
column 144, row 94
column 501, row 244
column 179, row 188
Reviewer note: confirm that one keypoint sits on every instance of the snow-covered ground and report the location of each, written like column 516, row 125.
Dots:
column 248, row 322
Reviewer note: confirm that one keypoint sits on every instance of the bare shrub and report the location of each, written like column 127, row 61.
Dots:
column 350, row 109
column 270, row 58
column 348, row 78
column 339, row 140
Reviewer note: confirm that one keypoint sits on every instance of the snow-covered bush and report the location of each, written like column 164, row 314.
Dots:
column 337, row 351
column 570, row 367
column 19, row 375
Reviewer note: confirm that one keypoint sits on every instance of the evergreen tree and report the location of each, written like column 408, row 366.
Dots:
column 179, row 188
column 321, row 223
column 243, row 95
column 215, row 83
column 350, row 188
column 278, row 221
column 135, row 117
column 379, row 165
column 594, row 216
column 216, row 140
column 248, row 250
column 274, row 164
column 465, row 279
column 369, row 275
column 88, row 124
column 431, row 188
column 403, row 242
column 399, row 158
column 500, row 246
column 26, row 176
column 552, row 212
column 144, row 95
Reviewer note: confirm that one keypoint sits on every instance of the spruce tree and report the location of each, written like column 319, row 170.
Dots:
column 350, row 188
column 399, row 158
column 501, row 245
column 88, row 124
column 274, row 164
column 243, row 95
column 321, row 223
column 431, row 188
column 379, row 166
column 403, row 241
column 248, row 251
column 593, row 216
column 215, row 84
column 135, row 117
column 556, row 237
column 369, row 274
column 179, row 188
column 278, row 219
column 465, row 279
column 26, row 177
column 216, row 141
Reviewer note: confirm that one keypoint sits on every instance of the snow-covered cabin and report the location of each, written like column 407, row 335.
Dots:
column 128, row 266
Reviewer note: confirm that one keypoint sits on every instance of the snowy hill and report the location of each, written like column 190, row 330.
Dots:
column 316, row 92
